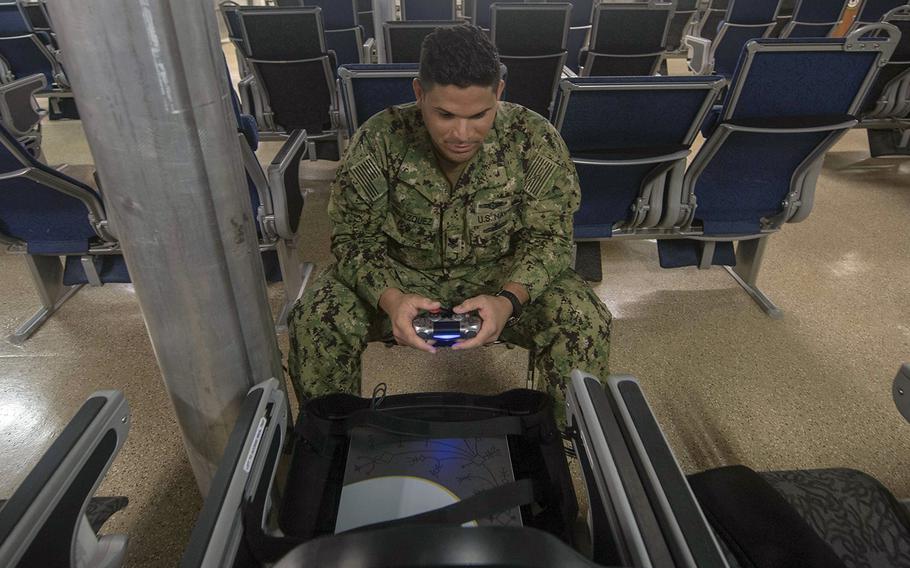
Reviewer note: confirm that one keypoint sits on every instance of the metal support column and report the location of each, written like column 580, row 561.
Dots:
column 152, row 91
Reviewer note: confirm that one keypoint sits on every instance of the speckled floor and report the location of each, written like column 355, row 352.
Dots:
column 728, row 384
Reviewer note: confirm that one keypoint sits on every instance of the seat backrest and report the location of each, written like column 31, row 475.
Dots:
column 788, row 102
column 815, row 18
column 404, row 39
column 711, row 18
column 282, row 34
column 530, row 29
column 347, row 44
column 26, row 55
column 647, row 117
column 895, row 71
column 745, row 20
column 532, row 80
column 631, row 28
column 679, row 24
column 41, row 207
column 336, row 14
column 582, row 11
column 414, row 10
column 12, row 21
column 752, row 12
column 480, row 13
column 36, row 14
column 369, row 89
column 799, row 78
column 874, row 10
column 600, row 65
column 301, row 93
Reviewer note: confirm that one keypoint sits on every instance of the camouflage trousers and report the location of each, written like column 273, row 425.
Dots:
column 567, row 326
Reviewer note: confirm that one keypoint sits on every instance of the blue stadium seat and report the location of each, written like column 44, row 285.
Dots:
column 629, row 138
column 343, row 35
column 743, row 21
column 711, row 17
column 685, row 13
column 414, row 10
column 402, row 40
column 531, row 40
column 886, row 112
column 25, row 51
column 815, row 18
column 369, row 89
column 789, row 101
column 45, row 214
column 872, row 11
column 286, row 49
column 627, row 38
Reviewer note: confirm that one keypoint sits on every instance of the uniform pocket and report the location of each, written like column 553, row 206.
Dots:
column 492, row 223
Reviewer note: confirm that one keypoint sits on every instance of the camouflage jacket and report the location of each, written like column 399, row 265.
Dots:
column 394, row 211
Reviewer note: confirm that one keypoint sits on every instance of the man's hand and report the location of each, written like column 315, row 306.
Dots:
column 494, row 311
column 402, row 309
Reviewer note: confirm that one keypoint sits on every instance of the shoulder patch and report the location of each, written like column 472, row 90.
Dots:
column 368, row 179
column 540, row 172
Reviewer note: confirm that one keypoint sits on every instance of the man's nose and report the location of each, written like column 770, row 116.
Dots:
column 462, row 128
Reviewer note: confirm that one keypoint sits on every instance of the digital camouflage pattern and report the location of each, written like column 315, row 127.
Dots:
column 399, row 224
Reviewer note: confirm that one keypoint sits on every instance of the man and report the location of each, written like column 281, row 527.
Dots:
column 457, row 200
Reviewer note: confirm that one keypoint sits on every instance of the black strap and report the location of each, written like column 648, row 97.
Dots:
column 486, row 428
column 482, row 504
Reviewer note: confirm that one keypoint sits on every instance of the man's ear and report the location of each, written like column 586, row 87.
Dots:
column 418, row 89
column 500, row 89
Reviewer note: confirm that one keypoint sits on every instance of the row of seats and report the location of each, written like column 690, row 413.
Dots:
column 643, row 509
column 60, row 225
column 786, row 104
column 28, row 46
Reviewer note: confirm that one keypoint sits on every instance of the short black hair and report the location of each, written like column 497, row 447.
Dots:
column 458, row 55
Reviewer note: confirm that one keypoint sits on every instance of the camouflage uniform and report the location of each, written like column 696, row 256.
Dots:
column 399, row 224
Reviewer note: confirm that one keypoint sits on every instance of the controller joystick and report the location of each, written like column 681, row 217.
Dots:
column 446, row 327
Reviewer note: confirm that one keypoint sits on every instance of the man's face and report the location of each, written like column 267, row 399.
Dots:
column 458, row 119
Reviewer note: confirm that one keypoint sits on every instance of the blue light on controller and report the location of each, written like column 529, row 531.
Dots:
column 447, row 336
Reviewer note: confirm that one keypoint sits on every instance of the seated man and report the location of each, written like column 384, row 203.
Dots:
column 457, row 201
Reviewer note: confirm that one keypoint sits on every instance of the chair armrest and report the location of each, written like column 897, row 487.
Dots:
column 567, row 72
column 675, row 505
column 368, row 50
column 699, row 54
column 50, row 503
column 621, row 513
column 245, row 87
column 284, row 185
column 17, row 104
column 248, row 460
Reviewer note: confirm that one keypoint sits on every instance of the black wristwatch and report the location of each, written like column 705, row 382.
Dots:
column 516, row 306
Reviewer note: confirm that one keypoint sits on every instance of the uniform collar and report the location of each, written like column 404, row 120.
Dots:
column 421, row 170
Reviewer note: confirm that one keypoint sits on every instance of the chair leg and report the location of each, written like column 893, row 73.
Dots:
column 749, row 255
column 295, row 275
column 47, row 274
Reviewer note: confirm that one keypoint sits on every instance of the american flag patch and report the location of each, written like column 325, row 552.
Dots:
column 368, row 179
column 539, row 174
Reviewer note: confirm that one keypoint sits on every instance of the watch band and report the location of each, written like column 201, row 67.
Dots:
column 516, row 306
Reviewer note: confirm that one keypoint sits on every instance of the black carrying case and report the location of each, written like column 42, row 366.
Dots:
column 321, row 438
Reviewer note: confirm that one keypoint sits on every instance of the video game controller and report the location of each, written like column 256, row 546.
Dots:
column 446, row 327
